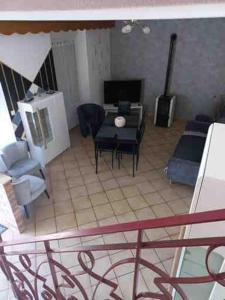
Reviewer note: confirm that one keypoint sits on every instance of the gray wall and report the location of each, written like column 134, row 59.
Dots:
column 199, row 69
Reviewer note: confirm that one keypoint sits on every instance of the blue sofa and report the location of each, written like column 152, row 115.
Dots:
column 184, row 164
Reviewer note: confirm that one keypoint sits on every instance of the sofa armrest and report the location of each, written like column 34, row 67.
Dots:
column 182, row 171
column 197, row 126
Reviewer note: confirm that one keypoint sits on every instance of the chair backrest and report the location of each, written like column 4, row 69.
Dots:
column 22, row 190
column 141, row 132
column 13, row 153
column 124, row 108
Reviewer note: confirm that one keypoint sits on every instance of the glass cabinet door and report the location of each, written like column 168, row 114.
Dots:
column 40, row 127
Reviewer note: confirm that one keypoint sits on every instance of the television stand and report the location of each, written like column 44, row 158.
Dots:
column 134, row 107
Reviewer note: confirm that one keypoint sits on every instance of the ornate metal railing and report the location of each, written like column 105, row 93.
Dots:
column 41, row 272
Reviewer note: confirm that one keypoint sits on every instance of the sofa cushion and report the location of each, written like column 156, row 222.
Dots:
column 190, row 148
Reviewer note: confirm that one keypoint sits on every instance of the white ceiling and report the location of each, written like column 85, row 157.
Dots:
column 109, row 9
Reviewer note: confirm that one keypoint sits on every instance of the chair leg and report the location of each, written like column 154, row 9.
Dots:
column 26, row 211
column 137, row 160
column 112, row 159
column 47, row 194
column 118, row 157
column 96, row 161
column 42, row 173
column 133, row 163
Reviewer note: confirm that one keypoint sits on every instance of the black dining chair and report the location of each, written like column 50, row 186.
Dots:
column 124, row 108
column 131, row 149
column 106, row 145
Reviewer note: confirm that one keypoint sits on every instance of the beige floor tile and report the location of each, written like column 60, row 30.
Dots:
column 59, row 185
column 146, row 187
column 99, row 198
column 154, row 198
column 81, row 203
column 124, row 180
column 94, row 188
column 59, row 196
column 43, row 200
column 144, row 213
column 62, row 208
column 156, row 234
column 110, row 184
column 75, row 181
column 168, row 265
column 165, row 253
column 86, row 239
column 114, row 238
column 44, row 212
column 73, row 172
column 115, row 194
column 85, row 216
column 46, row 227
column 57, row 176
column 168, row 194
column 90, row 178
column 119, row 172
column 78, row 191
column 126, row 287
column 137, row 202
column 121, row 207
column 173, row 230
column 105, row 175
column 65, row 222
column 149, row 255
column 160, row 184
column 108, row 221
column 178, row 206
column 127, row 217
column 124, row 268
column 162, row 210
column 130, row 191
column 103, row 211
column 149, row 277
column 87, row 170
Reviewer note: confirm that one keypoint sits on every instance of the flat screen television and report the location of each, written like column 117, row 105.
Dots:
column 122, row 90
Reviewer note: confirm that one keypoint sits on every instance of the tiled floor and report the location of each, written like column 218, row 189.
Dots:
column 82, row 199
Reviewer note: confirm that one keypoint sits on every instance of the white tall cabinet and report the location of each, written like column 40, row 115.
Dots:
column 209, row 194
column 45, row 125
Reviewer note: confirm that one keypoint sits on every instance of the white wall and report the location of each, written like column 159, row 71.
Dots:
column 24, row 53
column 7, row 132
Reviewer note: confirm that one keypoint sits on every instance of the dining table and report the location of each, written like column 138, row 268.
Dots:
column 122, row 135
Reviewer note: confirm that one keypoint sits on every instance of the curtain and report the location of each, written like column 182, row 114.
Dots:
column 66, row 74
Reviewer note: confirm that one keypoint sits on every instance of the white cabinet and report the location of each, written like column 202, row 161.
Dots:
column 45, row 125
column 209, row 194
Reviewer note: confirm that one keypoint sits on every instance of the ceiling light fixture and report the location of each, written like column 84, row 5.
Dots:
column 129, row 25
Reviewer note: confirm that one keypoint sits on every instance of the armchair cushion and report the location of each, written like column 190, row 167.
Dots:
column 27, row 188
column 14, row 152
column 25, row 166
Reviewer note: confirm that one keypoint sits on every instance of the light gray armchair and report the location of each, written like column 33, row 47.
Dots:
column 28, row 188
column 15, row 160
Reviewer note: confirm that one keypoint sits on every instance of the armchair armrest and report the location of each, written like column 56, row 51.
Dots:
column 22, row 190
